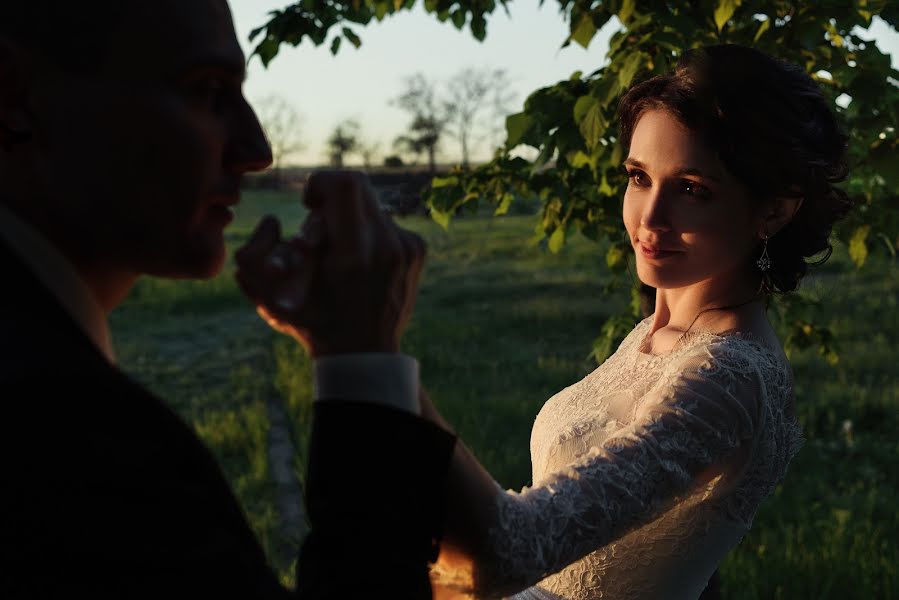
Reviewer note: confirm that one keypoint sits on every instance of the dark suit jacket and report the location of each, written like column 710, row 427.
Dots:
column 107, row 494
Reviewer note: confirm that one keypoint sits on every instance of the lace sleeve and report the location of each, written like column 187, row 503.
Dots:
column 696, row 416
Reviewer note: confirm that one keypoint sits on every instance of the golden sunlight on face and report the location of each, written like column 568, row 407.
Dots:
column 689, row 221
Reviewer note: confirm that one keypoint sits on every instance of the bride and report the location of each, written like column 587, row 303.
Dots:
column 648, row 471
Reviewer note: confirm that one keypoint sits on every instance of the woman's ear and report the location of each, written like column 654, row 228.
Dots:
column 781, row 211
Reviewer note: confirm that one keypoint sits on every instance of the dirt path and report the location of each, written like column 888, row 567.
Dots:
column 291, row 510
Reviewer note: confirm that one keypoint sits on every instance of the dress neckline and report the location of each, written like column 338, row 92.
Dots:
column 690, row 339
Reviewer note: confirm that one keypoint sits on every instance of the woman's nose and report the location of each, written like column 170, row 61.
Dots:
column 654, row 217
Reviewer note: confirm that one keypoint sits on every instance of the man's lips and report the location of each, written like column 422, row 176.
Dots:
column 220, row 208
column 225, row 200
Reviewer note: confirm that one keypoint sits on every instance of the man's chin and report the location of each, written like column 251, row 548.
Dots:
column 192, row 265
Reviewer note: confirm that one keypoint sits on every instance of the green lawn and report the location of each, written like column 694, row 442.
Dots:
column 501, row 326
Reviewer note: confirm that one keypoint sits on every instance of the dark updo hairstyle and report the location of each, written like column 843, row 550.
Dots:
column 773, row 130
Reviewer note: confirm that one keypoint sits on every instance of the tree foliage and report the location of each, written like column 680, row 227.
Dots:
column 429, row 118
column 476, row 99
column 342, row 141
column 469, row 108
column 572, row 124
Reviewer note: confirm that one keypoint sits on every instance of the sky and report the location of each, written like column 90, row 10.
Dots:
column 360, row 84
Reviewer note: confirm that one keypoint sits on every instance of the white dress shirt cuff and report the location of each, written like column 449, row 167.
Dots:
column 379, row 378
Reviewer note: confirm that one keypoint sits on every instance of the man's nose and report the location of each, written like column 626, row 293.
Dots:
column 249, row 150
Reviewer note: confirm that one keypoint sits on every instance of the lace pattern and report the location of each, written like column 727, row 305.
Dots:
column 645, row 473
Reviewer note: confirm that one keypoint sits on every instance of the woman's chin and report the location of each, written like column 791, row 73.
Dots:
column 663, row 279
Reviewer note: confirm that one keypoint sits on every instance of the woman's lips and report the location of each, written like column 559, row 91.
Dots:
column 655, row 253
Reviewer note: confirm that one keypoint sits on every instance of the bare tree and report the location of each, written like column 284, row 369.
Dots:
column 344, row 140
column 282, row 125
column 367, row 150
column 477, row 101
column 419, row 99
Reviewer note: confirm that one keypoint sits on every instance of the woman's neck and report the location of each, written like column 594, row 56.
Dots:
column 677, row 308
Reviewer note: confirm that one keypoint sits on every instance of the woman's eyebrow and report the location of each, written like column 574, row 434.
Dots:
column 678, row 172
column 695, row 172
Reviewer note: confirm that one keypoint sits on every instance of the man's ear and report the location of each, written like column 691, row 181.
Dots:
column 15, row 126
column 780, row 212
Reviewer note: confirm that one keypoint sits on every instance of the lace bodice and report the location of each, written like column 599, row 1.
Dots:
column 646, row 473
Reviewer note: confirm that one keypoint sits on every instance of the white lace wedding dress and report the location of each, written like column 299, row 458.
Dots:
column 646, row 473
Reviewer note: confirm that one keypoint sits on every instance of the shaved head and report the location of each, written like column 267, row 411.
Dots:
column 73, row 35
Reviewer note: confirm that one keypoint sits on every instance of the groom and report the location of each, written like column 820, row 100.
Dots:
column 124, row 136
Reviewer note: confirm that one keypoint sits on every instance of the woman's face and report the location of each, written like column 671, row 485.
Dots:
column 688, row 219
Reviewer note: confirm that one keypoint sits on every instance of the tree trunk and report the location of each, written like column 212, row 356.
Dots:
column 432, row 162
column 464, row 139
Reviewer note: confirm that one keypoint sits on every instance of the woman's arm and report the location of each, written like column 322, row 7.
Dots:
column 499, row 542
column 471, row 500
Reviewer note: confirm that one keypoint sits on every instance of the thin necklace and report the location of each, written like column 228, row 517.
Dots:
column 693, row 322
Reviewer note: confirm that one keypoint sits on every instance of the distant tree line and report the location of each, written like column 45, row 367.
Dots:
column 468, row 108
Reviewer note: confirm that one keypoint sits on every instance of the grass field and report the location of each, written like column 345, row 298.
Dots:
column 501, row 326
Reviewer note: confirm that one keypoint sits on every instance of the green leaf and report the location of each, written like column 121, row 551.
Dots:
column 584, row 31
column 766, row 24
column 629, row 69
column 267, row 50
column 593, row 125
column 441, row 218
column 504, row 204
column 888, row 243
column 617, row 152
column 517, row 126
column 335, row 45
column 604, row 188
column 725, row 10
column 439, row 182
column 627, row 9
column 614, row 330
column 549, row 149
column 581, row 107
column 352, row 37
column 557, row 240
column 459, row 18
column 615, row 256
column 398, row 4
column 579, row 159
column 381, row 9
column 858, row 248
column 479, row 27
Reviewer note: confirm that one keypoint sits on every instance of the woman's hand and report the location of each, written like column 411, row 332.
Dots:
column 347, row 283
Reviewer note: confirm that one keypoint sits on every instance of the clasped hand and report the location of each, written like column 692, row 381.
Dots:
column 347, row 283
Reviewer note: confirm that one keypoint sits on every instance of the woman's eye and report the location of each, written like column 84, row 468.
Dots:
column 692, row 188
column 638, row 178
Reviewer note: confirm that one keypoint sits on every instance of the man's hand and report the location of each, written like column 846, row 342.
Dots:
column 348, row 283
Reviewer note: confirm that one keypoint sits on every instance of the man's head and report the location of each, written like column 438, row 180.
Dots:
column 124, row 132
